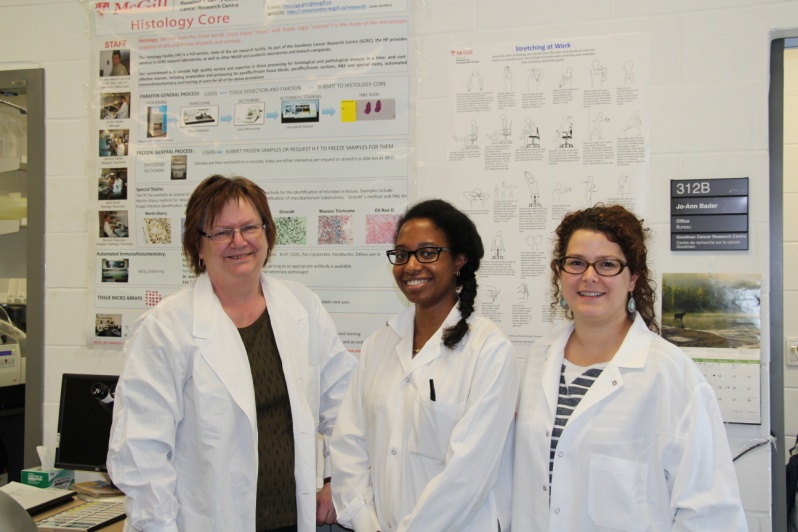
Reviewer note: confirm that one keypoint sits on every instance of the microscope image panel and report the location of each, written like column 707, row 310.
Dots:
column 157, row 231
column 291, row 230
column 336, row 230
column 380, row 228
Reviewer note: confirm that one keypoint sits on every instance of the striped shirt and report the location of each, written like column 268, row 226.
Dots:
column 569, row 397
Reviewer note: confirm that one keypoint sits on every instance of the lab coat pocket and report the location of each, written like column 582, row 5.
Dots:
column 433, row 423
column 617, row 493
column 211, row 401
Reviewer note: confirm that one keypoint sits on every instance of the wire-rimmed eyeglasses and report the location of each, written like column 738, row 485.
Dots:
column 423, row 255
column 603, row 267
column 225, row 236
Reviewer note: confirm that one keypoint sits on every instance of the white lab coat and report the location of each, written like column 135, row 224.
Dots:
column 645, row 449
column 404, row 462
column 183, row 443
column 123, row 111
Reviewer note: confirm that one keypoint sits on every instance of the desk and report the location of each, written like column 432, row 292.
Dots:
column 114, row 527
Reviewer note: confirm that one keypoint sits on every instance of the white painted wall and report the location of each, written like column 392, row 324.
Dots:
column 710, row 76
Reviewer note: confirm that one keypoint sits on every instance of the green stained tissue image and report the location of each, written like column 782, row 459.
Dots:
column 291, row 230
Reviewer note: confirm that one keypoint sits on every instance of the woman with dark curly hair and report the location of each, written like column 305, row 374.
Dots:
column 422, row 430
column 619, row 226
column 617, row 428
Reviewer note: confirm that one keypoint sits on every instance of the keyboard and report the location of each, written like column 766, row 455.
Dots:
column 91, row 515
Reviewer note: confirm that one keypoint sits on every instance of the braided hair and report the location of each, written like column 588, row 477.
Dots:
column 464, row 239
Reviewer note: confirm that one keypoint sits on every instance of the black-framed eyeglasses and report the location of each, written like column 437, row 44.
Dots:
column 423, row 255
column 603, row 267
column 225, row 236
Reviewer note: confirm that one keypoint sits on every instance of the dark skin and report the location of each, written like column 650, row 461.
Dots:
column 430, row 286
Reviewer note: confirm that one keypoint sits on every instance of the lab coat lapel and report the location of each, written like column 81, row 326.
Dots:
column 434, row 346
column 552, row 368
column 402, row 325
column 632, row 354
column 609, row 382
column 290, row 324
column 221, row 346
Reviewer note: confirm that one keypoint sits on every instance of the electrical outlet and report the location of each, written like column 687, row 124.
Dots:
column 791, row 351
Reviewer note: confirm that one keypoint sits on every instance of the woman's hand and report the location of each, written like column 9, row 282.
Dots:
column 325, row 511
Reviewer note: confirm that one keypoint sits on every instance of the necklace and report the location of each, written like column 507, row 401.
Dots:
column 416, row 351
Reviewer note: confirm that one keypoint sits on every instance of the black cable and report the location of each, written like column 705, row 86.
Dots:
column 754, row 446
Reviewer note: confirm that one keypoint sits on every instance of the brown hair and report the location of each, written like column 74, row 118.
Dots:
column 208, row 200
column 625, row 229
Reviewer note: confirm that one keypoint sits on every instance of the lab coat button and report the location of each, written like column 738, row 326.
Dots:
column 407, row 379
column 556, row 510
column 545, row 488
column 547, row 433
column 393, row 451
column 559, row 454
column 615, row 383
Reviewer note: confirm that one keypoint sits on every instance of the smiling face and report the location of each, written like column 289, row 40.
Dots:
column 431, row 284
column 242, row 259
column 592, row 298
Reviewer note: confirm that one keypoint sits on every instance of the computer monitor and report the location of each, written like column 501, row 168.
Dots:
column 84, row 421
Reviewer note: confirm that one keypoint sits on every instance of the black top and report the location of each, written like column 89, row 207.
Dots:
column 276, row 497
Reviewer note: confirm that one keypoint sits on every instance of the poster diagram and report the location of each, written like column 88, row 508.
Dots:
column 538, row 129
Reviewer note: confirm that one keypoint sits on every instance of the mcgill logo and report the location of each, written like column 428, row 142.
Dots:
column 115, row 8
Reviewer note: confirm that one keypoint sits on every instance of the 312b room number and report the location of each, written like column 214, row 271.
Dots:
column 692, row 187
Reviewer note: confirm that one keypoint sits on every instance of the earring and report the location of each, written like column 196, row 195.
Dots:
column 631, row 306
column 563, row 303
column 201, row 264
column 457, row 273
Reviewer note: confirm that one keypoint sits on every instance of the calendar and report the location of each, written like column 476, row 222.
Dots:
column 734, row 374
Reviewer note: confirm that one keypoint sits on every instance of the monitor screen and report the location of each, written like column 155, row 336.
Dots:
column 84, row 422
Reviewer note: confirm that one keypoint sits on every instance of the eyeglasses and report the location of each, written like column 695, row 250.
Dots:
column 423, row 255
column 603, row 267
column 225, row 236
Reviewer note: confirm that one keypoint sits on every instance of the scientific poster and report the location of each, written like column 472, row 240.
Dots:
column 310, row 100
column 540, row 128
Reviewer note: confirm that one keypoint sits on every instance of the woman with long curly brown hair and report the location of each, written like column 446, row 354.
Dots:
column 617, row 428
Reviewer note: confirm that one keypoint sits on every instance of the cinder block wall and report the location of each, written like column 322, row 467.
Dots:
column 710, row 76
